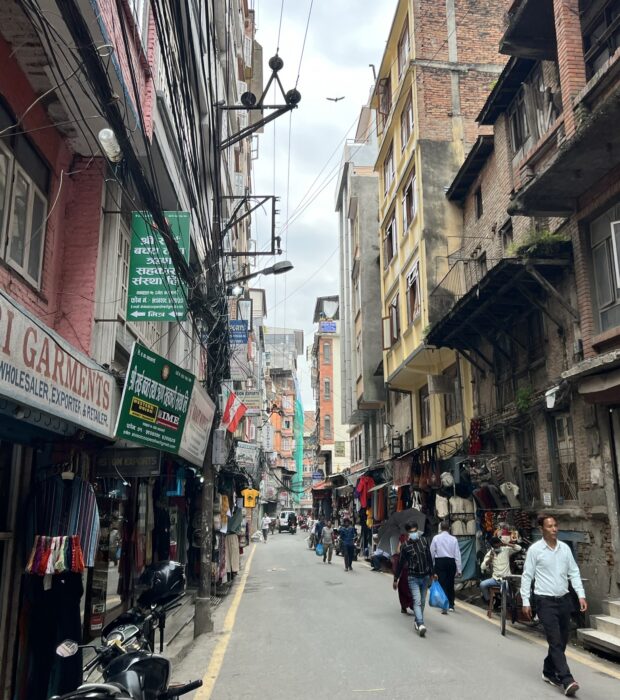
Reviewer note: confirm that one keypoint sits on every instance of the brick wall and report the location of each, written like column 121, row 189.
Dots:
column 326, row 405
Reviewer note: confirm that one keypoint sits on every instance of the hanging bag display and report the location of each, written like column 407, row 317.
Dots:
column 319, row 550
column 437, row 597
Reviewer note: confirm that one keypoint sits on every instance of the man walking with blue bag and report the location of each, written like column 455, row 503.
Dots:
column 415, row 554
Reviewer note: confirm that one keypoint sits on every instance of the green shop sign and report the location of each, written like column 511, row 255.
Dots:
column 155, row 292
column 155, row 401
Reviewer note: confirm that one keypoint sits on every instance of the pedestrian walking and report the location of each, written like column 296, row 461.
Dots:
column 272, row 525
column 347, row 535
column 497, row 563
column 446, row 555
column 550, row 563
column 327, row 540
column 404, row 592
column 415, row 556
column 264, row 526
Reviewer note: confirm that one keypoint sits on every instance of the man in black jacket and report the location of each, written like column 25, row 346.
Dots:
column 415, row 554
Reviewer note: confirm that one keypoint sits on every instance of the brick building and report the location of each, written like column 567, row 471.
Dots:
column 439, row 63
column 531, row 298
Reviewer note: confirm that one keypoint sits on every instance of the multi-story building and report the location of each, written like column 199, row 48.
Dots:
column 325, row 357
column 532, row 298
column 103, row 132
column 309, row 464
column 362, row 394
column 439, row 62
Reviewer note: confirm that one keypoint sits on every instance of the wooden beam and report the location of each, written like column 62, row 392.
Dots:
column 472, row 362
column 538, row 304
column 483, row 357
column 507, row 332
column 545, row 284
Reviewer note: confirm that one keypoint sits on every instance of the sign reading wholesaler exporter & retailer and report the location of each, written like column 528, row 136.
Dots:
column 40, row 370
column 155, row 292
column 155, row 402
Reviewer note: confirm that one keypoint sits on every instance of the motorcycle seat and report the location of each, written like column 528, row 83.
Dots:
column 110, row 688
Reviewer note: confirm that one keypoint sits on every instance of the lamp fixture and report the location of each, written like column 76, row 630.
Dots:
column 278, row 268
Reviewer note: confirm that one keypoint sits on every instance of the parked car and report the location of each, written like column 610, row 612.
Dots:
column 283, row 519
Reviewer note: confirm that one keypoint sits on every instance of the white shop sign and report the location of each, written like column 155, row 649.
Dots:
column 198, row 425
column 40, row 369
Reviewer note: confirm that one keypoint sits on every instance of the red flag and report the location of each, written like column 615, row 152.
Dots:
column 233, row 413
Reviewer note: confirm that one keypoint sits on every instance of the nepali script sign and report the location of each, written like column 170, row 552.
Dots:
column 155, row 292
column 155, row 401
column 41, row 370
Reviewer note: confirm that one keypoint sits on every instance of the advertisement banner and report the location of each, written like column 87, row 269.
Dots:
column 198, row 426
column 128, row 462
column 238, row 332
column 252, row 400
column 155, row 401
column 155, row 292
column 246, row 454
column 41, row 370
column 240, row 368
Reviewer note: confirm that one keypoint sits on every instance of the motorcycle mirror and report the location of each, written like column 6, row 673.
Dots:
column 67, row 648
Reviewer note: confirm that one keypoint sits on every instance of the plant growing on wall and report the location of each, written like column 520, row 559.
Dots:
column 523, row 398
column 539, row 244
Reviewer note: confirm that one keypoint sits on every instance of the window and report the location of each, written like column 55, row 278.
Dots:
column 425, row 411
column 327, row 389
column 507, row 235
column 518, row 123
column 406, row 123
column 360, row 452
column 410, row 202
column 413, row 293
column 24, row 183
column 388, row 169
column 389, row 242
column 605, row 242
column 601, row 35
column 451, row 403
column 358, row 354
column 385, row 100
column 403, row 49
column 408, row 443
column 567, row 480
column 394, row 320
column 286, row 424
column 478, row 201
column 286, row 444
column 122, row 268
column 327, row 353
column 327, row 426
column 357, row 297
column 139, row 10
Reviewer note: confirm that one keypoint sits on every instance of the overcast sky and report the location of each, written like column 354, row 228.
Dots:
column 344, row 37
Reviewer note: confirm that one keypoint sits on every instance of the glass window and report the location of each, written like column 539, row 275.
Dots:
column 451, row 404
column 410, row 203
column 122, row 269
column 389, row 242
column 327, row 353
column 327, row 389
column 403, row 49
column 406, row 123
column 385, row 100
column 425, row 412
column 605, row 243
column 517, row 119
column 327, row 426
column 413, row 293
column 479, row 207
column 394, row 320
column 388, row 169
column 601, row 35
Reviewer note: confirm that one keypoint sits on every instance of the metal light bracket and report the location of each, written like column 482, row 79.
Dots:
column 237, row 217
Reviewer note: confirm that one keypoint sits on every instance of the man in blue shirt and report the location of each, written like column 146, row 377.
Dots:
column 347, row 535
column 550, row 563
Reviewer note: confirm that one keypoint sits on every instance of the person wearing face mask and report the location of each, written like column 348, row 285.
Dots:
column 415, row 555
column 497, row 563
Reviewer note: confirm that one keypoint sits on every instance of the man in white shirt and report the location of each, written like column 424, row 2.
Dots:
column 550, row 563
column 264, row 526
column 446, row 555
column 497, row 562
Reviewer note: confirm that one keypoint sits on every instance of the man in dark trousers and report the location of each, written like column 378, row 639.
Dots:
column 347, row 535
column 550, row 563
column 446, row 560
column 415, row 555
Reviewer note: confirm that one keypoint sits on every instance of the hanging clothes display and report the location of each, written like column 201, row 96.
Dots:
column 64, row 530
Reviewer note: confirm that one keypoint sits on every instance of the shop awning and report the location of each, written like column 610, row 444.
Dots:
column 322, row 486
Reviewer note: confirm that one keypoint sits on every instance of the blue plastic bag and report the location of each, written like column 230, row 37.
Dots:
column 319, row 550
column 437, row 597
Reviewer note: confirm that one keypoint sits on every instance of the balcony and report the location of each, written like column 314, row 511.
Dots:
column 531, row 30
column 461, row 277
column 582, row 160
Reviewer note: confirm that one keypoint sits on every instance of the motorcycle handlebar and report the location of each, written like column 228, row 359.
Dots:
column 179, row 690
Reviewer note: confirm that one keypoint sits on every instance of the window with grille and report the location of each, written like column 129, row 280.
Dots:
column 327, row 389
column 530, row 488
column 327, row 426
column 403, row 49
column 425, row 411
column 601, row 33
column 406, row 123
column 566, row 461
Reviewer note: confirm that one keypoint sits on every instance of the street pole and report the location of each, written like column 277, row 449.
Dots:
column 202, row 617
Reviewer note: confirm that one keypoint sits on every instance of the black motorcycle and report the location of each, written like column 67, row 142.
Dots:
column 130, row 670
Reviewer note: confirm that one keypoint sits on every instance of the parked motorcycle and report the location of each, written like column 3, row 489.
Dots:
column 129, row 669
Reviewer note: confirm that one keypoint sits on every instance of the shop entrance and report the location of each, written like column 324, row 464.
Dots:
column 15, row 465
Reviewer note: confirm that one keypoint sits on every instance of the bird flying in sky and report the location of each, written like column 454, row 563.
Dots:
column 335, row 99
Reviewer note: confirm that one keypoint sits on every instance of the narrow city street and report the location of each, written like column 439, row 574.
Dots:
column 307, row 630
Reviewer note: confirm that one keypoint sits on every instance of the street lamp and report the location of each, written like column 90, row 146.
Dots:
column 277, row 269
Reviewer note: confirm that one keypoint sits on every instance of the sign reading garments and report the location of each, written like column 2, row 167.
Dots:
column 164, row 407
column 41, row 370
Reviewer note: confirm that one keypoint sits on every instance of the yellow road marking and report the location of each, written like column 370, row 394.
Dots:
column 217, row 658
column 570, row 653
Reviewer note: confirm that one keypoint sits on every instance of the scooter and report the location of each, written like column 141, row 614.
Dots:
column 292, row 529
column 126, row 661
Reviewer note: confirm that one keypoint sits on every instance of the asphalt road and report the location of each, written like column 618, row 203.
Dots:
column 307, row 630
